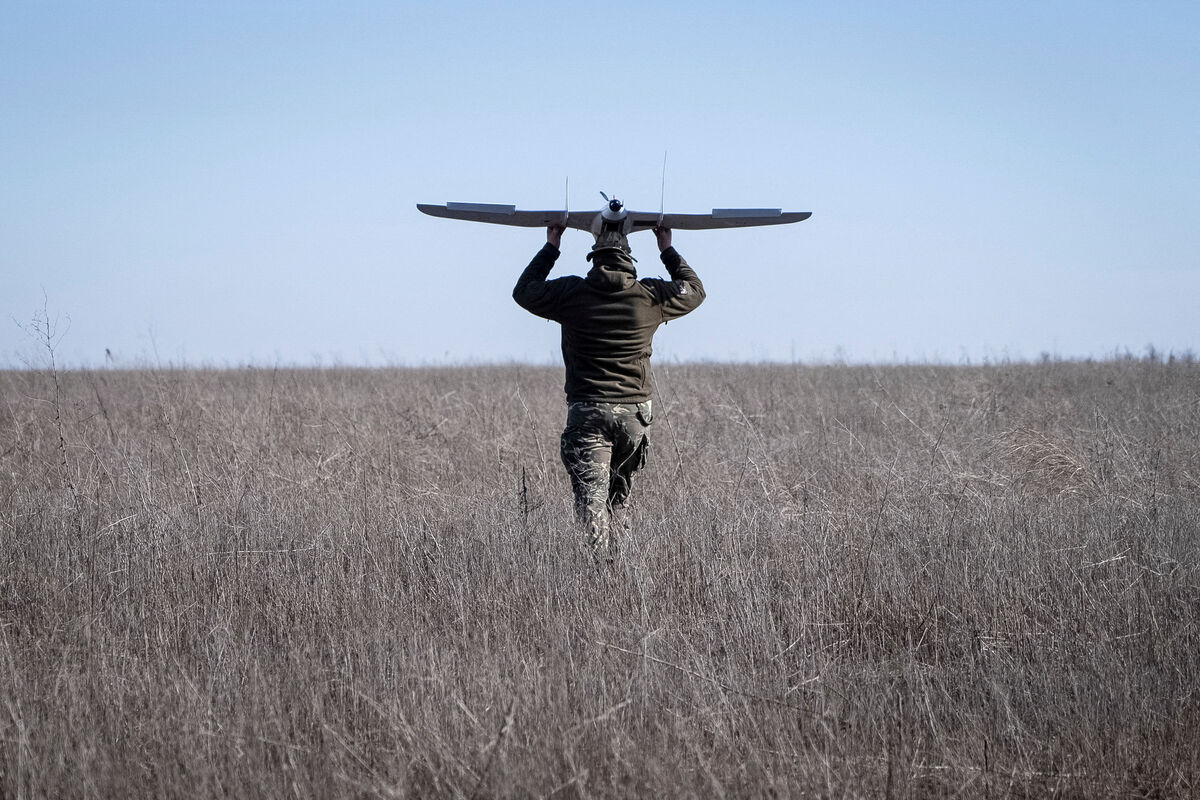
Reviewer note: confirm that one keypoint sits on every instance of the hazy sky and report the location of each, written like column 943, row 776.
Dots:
column 226, row 183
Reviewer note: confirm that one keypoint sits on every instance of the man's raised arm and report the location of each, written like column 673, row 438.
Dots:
column 533, row 292
column 686, row 290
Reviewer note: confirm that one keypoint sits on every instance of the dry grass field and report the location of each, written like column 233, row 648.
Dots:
column 903, row 581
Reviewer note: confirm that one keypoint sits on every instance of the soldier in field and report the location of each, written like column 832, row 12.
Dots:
column 608, row 320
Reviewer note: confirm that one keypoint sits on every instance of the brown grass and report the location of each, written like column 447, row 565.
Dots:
column 846, row 581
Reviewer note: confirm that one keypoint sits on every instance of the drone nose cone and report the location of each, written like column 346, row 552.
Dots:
column 615, row 210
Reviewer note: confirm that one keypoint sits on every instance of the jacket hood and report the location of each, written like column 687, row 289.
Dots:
column 612, row 269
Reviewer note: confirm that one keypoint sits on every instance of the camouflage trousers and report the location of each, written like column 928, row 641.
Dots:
column 603, row 445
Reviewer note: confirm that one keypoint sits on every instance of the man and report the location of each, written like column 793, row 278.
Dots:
column 608, row 321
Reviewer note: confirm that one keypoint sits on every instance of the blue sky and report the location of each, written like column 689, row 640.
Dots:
column 218, row 183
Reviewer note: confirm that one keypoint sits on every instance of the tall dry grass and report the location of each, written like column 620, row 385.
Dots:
column 846, row 581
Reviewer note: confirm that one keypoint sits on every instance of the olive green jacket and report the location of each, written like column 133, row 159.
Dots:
column 608, row 318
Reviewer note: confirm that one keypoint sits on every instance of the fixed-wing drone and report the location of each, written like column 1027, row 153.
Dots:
column 613, row 223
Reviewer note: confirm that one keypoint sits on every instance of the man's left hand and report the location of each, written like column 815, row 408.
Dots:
column 663, row 235
column 554, row 234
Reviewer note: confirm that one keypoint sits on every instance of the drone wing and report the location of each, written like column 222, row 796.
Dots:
column 509, row 215
column 719, row 218
column 498, row 214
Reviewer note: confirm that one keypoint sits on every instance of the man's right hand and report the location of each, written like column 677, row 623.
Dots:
column 664, row 238
column 554, row 234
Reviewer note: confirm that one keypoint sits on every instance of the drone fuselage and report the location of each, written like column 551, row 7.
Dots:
column 612, row 226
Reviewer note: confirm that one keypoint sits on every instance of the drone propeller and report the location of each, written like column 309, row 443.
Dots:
column 614, row 205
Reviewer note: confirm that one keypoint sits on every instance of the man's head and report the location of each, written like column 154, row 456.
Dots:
column 618, row 257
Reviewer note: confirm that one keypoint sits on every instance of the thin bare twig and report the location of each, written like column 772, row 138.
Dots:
column 495, row 746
